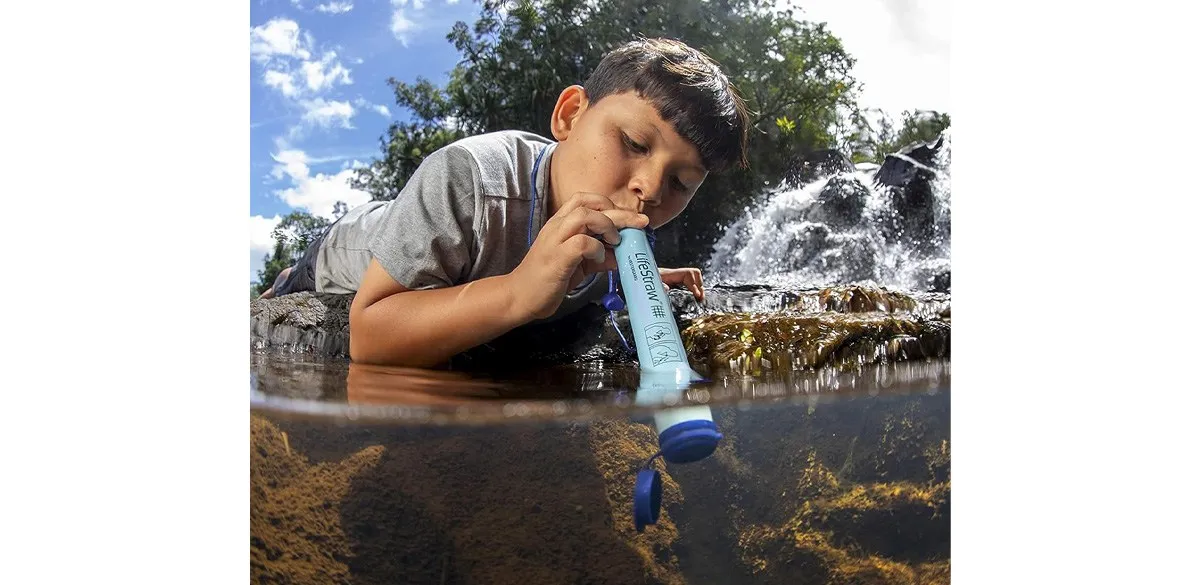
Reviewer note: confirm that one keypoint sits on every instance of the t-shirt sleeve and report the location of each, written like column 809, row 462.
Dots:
column 426, row 236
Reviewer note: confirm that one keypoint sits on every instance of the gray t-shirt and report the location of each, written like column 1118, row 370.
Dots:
column 469, row 212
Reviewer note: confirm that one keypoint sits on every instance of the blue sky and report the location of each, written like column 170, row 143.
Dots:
column 319, row 100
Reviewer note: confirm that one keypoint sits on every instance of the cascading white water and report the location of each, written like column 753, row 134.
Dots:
column 844, row 229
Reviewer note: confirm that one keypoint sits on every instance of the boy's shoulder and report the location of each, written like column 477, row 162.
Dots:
column 503, row 145
column 503, row 159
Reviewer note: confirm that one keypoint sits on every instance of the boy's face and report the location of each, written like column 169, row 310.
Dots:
column 621, row 148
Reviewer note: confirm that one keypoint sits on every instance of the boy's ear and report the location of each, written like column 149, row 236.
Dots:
column 571, row 104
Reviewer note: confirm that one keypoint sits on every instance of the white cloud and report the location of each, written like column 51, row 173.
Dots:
column 286, row 55
column 402, row 26
column 321, row 75
column 279, row 37
column 293, row 163
column 325, row 114
column 280, row 80
column 336, row 7
column 410, row 18
column 382, row 110
column 317, row 193
column 261, row 242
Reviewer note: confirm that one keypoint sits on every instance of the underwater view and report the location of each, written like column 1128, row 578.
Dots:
column 812, row 446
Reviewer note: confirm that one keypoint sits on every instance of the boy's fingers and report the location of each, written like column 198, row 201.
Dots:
column 594, row 201
column 586, row 247
column 604, row 224
column 610, row 260
column 624, row 218
column 610, row 263
column 585, row 221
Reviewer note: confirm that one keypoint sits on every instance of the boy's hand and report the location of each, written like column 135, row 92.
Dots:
column 565, row 252
column 688, row 278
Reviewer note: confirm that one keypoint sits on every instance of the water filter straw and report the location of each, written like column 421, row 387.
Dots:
column 685, row 434
column 659, row 346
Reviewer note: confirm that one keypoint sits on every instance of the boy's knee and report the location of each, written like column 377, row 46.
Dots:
column 279, row 280
column 283, row 274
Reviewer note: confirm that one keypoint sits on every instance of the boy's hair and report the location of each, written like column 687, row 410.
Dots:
column 688, row 89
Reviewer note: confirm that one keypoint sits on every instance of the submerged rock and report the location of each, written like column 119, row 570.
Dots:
column 852, row 491
column 508, row 505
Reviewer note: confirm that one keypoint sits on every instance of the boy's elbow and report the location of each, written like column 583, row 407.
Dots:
column 368, row 345
column 364, row 344
column 359, row 344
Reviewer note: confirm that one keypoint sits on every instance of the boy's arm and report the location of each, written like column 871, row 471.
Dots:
column 390, row 324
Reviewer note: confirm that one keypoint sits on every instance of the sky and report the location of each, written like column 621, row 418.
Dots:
column 319, row 100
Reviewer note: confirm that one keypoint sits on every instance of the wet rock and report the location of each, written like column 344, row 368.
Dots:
column 819, row 163
column 902, row 167
column 303, row 322
column 841, row 203
column 759, row 327
column 909, row 176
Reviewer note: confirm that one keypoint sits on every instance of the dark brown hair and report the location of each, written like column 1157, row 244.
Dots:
column 688, row 89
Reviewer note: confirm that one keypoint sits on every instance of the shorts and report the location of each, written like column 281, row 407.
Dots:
column 303, row 276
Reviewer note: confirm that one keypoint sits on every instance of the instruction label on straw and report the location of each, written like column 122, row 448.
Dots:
column 661, row 354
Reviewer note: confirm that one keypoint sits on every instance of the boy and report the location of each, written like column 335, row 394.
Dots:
column 499, row 230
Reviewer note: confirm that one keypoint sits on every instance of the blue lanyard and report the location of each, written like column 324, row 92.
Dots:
column 533, row 184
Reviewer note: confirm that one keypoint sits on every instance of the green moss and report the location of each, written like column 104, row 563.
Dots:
column 751, row 343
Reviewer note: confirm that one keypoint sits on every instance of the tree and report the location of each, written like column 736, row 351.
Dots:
column 520, row 54
column 295, row 232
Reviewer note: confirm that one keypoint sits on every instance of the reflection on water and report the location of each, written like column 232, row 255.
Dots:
column 334, row 388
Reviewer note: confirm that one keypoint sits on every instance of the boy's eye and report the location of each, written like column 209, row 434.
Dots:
column 679, row 186
column 638, row 148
